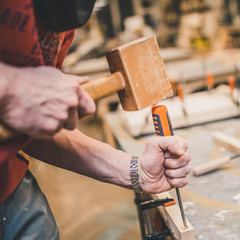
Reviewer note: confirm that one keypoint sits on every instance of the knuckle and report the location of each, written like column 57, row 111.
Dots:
column 172, row 183
column 169, row 164
column 169, row 173
column 188, row 169
column 188, row 157
column 178, row 182
column 73, row 101
column 63, row 116
column 184, row 182
column 52, row 126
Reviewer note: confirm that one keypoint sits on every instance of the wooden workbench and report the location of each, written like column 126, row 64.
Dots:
column 208, row 200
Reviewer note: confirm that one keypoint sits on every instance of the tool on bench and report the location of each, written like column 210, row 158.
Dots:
column 231, row 83
column 210, row 166
column 144, row 207
column 173, row 86
column 163, row 127
column 232, row 86
column 137, row 74
column 210, row 81
column 155, row 203
column 181, row 97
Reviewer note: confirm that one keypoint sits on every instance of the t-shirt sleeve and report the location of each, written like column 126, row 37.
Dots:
column 68, row 38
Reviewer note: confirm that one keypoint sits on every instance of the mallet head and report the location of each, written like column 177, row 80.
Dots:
column 142, row 68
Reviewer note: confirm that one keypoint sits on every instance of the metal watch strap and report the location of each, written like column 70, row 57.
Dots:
column 134, row 175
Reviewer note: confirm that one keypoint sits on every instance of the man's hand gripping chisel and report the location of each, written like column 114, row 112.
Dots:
column 163, row 127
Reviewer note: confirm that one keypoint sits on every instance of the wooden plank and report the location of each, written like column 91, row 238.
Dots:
column 227, row 141
column 173, row 219
column 200, row 107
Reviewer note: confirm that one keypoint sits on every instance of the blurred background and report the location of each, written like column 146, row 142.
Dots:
column 199, row 42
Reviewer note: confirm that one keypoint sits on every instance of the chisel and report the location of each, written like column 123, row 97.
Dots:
column 210, row 166
column 163, row 127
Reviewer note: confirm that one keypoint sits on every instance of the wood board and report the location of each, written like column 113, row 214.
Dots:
column 227, row 140
column 172, row 217
column 200, row 108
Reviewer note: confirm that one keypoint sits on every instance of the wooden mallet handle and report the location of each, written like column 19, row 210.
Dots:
column 104, row 86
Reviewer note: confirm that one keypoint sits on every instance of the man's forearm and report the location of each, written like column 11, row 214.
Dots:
column 76, row 152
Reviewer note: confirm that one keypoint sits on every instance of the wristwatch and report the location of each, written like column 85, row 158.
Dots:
column 134, row 174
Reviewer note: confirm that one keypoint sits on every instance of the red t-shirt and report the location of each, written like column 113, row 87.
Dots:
column 24, row 41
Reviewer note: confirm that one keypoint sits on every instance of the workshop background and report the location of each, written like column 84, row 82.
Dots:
column 199, row 42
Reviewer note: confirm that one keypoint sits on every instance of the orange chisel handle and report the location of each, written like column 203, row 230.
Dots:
column 163, row 127
column 161, row 121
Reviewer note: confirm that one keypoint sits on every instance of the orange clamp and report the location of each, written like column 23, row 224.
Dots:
column 210, row 81
column 231, row 82
column 180, row 91
column 169, row 203
column 172, row 86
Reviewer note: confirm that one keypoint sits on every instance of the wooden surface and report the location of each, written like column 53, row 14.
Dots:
column 104, row 86
column 172, row 217
column 208, row 200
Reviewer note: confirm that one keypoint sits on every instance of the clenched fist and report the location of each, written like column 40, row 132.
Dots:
column 39, row 101
column 164, row 164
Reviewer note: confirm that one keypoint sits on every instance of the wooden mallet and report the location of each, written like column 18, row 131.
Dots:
column 137, row 74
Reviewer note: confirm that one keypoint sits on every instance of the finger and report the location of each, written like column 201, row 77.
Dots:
column 79, row 79
column 167, row 154
column 178, row 173
column 86, row 104
column 182, row 143
column 179, row 162
column 71, row 122
column 171, row 144
column 53, row 110
column 180, row 182
column 49, row 128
